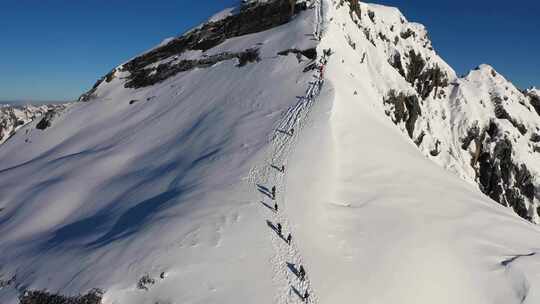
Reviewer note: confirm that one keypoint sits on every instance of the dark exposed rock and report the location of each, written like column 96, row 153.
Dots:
column 535, row 102
column 503, row 180
column 535, row 137
column 406, row 109
column 501, row 113
column 251, row 19
column 308, row 53
column 351, row 43
column 109, row 77
column 472, row 134
column 45, row 297
column 367, row 33
column 418, row 141
column 436, row 151
column 248, row 56
column 425, row 80
column 493, row 169
column 364, row 55
column 383, row 37
column 397, row 64
column 430, row 81
column 151, row 76
column 524, row 181
column 371, row 15
column 493, row 129
column 133, row 101
column 498, row 175
column 354, row 7
column 415, row 67
column 310, row 67
column 10, row 281
column 46, row 121
column 407, row 34
column 145, row 281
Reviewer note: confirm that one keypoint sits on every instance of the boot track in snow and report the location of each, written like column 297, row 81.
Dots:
column 287, row 258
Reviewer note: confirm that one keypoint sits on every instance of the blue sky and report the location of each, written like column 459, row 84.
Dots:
column 56, row 49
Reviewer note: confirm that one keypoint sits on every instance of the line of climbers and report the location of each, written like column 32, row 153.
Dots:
column 301, row 273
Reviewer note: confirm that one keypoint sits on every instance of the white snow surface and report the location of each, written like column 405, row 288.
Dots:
column 176, row 183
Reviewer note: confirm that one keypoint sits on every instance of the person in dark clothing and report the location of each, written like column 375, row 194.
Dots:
column 302, row 273
column 289, row 239
column 283, row 168
column 279, row 228
column 306, row 296
column 276, row 207
column 292, row 131
column 274, row 192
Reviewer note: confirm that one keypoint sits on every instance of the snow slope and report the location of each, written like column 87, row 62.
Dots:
column 172, row 177
column 114, row 190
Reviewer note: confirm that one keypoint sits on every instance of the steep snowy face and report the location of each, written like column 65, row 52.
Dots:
column 480, row 127
column 12, row 118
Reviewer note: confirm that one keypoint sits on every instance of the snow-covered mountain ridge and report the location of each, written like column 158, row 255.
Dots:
column 182, row 173
column 12, row 118
column 480, row 127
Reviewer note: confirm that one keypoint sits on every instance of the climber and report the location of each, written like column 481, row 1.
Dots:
column 279, row 228
column 289, row 239
column 276, row 207
column 302, row 273
column 306, row 296
column 273, row 192
column 292, row 131
column 282, row 168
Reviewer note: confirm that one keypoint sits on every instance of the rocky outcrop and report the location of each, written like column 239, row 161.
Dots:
column 45, row 297
column 423, row 78
column 501, row 113
column 403, row 108
column 534, row 100
column 308, row 53
column 498, row 174
column 252, row 18
column 354, row 7
column 503, row 180
column 397, row 64
column 47, row 119
column 150, row 76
